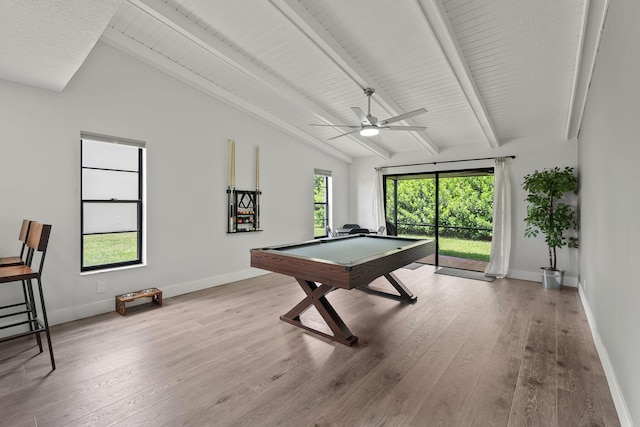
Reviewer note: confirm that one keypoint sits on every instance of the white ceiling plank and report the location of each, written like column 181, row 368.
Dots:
column 439, row 24
column 309, row 26
column 189, row 29
column 488, row 71
column 136, row 49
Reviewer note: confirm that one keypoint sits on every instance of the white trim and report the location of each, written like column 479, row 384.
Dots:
column 108, row 270
column 98, row 137
column 616, row 393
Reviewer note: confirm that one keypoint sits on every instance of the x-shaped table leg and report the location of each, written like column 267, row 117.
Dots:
column 405, row 293
column 316, row 297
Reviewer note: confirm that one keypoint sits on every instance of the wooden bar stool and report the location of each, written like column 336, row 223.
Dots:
column 37, row 241
column 18, row 259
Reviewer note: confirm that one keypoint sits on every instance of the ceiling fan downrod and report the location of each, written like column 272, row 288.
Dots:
column 372, row 120
column 369, row 92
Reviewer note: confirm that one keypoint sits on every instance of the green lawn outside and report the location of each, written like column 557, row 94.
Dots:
column 462, row 248
column 100, row 249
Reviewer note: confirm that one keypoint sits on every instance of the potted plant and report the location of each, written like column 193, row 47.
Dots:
column 549, row 213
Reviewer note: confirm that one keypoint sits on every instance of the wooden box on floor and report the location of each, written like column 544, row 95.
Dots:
column 153, row 293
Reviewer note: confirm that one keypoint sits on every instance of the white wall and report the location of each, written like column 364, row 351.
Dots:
column 609, row 150
column 186, row 133
column 527, row 254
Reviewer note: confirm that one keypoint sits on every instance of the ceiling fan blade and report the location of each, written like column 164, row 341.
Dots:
column 403, row 116
column 336, row 126
column 361, row 116
column 344, row 134
column 404, row 127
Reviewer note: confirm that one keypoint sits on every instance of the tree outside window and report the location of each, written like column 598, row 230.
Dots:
column 321, row 211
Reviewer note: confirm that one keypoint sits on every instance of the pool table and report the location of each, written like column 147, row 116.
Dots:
column 322, row 265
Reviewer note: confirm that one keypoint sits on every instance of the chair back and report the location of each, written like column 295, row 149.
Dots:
column 351, row 226
column 381, row 230
column 24, row 250
column 391, row 229
column 359, row 231
column 37, row 241
column 24, row 232
column 330, row 232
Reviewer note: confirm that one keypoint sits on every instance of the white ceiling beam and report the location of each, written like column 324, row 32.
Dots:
column 302, row 19
column 138, row 50
column 595, row 12
column 440, row 27
column 193, row 32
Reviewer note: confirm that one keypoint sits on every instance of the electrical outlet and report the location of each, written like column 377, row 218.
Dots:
column 101, row 287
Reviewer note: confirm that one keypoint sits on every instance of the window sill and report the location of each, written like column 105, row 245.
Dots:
column 109, row 270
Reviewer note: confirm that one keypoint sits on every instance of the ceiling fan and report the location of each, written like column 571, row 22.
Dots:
column 370, row 125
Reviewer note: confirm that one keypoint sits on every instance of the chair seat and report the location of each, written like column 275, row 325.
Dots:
column 10, row 260
column 16, row 273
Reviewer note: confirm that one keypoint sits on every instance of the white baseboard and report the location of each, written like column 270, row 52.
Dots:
column 77, row 312
column 534, row 276
column 616, row 393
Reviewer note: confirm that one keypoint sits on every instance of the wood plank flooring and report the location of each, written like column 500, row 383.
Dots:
column 455, row 262
column 467, row 353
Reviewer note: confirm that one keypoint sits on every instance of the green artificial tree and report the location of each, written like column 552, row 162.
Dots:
column 547, row 212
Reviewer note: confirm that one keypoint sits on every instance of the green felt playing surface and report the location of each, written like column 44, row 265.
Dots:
column 347, row 250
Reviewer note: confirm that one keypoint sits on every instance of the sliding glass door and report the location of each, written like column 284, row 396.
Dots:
column 454, row 208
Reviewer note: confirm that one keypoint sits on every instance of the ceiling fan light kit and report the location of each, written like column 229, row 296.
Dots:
column 370, row 125
column 369, row 131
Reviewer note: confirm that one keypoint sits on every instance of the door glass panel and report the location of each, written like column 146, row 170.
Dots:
column 463, row 224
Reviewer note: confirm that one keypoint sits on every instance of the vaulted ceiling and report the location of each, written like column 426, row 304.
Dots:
column 486, row 71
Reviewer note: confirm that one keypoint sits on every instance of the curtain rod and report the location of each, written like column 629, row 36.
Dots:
column 446, row 161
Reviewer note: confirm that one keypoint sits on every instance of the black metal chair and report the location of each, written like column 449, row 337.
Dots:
column 391, row 229
column 351, row 226
column 37, row 241
column 359, row 231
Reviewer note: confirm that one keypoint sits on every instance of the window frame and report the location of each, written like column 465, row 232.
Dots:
column 139, row 202
column 327, row 200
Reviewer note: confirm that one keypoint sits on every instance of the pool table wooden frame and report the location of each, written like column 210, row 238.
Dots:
column 317, row 276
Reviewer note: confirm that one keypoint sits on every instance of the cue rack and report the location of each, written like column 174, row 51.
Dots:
column 243, row 206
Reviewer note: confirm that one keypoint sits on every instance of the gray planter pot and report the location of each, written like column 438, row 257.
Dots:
column 552, row 279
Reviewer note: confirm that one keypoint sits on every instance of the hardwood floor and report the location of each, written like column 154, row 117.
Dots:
column 467, row 353
column 455, row 262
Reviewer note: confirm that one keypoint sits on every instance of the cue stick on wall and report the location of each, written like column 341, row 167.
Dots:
column 257, row 167
column 231, row 162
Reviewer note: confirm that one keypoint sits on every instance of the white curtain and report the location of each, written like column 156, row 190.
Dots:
column 501, row 240
column 378, row 201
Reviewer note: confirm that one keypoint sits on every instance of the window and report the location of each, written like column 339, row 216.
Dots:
column 321, row 196
column 111, row 206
